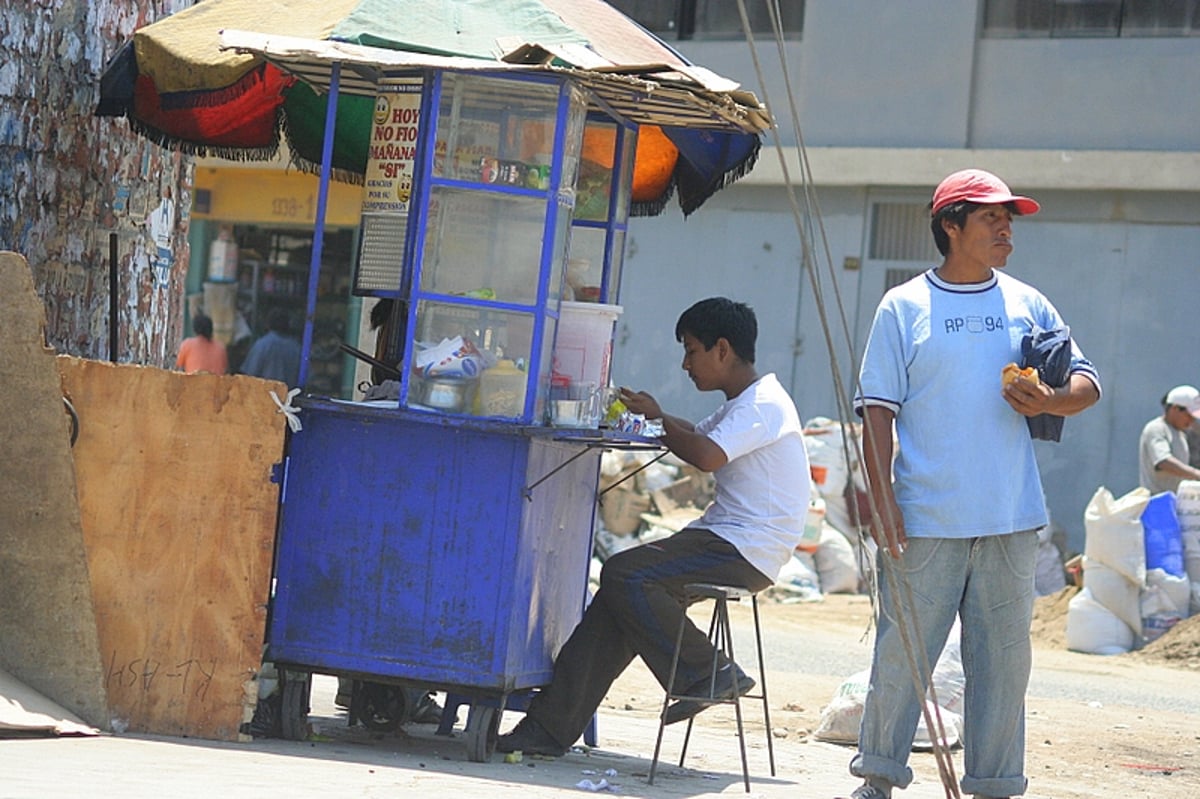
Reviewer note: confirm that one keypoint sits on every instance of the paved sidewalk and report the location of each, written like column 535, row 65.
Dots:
column 353, row 762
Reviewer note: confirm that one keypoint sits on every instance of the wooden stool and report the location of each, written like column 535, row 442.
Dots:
column 720, row 634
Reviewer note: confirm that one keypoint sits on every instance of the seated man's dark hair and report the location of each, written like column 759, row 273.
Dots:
column 717, row 318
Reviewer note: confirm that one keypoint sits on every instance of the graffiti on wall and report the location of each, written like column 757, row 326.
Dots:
column 72, row 185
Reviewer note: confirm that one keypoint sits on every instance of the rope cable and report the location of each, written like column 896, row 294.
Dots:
column 897, row 582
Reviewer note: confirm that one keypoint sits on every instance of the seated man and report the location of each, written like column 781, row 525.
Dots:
column 754, row 447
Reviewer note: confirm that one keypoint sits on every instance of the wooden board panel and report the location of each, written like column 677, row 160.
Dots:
column 178, row 513
column 47, row 626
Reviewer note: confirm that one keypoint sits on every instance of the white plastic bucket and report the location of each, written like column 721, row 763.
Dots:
column 583, row 349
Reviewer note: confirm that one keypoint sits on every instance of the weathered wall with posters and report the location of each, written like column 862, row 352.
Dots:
column 68, row 180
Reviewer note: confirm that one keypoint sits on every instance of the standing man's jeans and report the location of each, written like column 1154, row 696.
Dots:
column 988, row 581
column 637, row 612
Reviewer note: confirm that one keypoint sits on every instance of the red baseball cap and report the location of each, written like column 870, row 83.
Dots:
column 977, row 186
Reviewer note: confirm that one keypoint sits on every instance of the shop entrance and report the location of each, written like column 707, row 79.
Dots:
column 251, row 237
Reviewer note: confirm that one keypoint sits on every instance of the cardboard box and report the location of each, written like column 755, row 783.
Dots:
column 621, row 510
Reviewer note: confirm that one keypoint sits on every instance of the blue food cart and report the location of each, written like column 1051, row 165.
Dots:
column 442, row 537
column 437, row 533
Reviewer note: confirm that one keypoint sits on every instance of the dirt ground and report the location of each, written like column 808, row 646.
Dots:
column 1113, row 747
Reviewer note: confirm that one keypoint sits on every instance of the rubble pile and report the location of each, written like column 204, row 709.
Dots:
column 646, row 495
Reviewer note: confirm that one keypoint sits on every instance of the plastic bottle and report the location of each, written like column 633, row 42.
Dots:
column 502, row 390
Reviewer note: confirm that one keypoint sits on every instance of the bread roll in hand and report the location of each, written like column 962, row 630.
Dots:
column 1011, row 372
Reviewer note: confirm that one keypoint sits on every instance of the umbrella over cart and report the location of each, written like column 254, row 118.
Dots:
column 234, row 78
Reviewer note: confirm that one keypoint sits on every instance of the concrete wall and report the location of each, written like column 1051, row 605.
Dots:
column 917, row 74
column 890, row 97
column 1119, row 266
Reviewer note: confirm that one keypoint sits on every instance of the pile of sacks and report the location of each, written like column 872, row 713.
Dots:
column 645, row 496
column 833, row 557
column 1141, row 569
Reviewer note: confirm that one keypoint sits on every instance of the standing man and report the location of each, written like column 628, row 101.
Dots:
column 275, row 356
column 1164, row 453
column 958, row 521
column 753, row 445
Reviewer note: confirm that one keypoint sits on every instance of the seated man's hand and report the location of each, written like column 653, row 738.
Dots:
column 641, row 402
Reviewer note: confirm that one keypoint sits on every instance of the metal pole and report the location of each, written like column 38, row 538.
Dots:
column 314, row 267
column 114, row 334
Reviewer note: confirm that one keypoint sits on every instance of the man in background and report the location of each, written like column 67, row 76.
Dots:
column 275, row 356
column 1164, row 455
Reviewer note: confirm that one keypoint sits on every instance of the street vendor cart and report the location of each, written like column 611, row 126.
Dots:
column 442, row 537
column 436, row 534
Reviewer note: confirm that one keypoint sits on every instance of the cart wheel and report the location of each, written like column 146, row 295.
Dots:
column 483, row 723
column 293, row 715
column 379, row 707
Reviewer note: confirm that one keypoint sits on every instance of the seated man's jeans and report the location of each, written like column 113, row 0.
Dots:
column 988, row 581
column 637, row 612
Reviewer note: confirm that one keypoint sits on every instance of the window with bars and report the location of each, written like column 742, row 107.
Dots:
column 894, row 277
column 1090, row 18
column 900, row 232
column 713, row 19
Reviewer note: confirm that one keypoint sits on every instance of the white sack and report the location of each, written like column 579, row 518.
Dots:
column 1114, row 532
column 1115, row 592
column 826, row 444
column 1175, row 592
column 1191, row 563
column 1187, row 507
column 799, row 578
column 836, row 563
column 1049, row 577
column 841, row 718
column 948, row 681
column 1093, row 629
column 1165, row 602
column 824, row 439
column 952, row 725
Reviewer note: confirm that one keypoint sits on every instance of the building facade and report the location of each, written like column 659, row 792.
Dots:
column 1095, row 114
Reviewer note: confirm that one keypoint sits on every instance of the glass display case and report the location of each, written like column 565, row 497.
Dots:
column 601, row 215
column 491, row 221
column 514, row 200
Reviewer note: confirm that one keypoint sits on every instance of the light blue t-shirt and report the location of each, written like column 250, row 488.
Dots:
column 761, row 495
column 965, row 463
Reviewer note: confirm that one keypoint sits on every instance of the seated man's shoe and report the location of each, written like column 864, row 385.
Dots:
column 530, row 738
column 684, row 709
